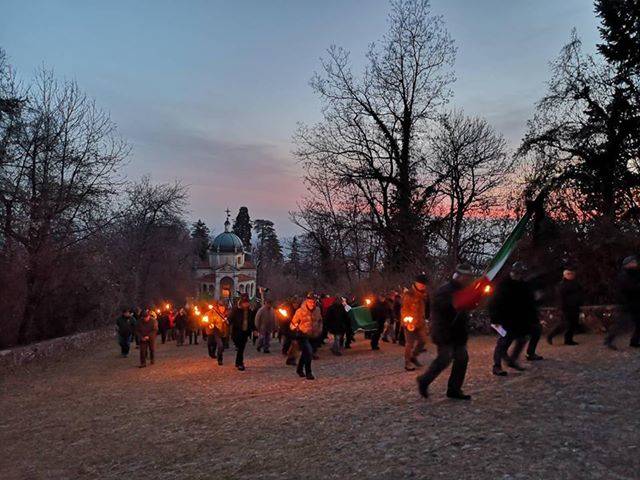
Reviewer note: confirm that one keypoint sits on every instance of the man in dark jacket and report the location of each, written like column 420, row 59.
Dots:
column 570, row 298
column 449, row 331
column 124, row 330
column 163, row 325
column 147, row 330
column 180, row 326
column 336, row 321
column 241, row 321
column 380, row 312
column 628, row 291
column 513, row 307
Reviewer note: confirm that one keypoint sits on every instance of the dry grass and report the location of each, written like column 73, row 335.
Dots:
column 95, row 415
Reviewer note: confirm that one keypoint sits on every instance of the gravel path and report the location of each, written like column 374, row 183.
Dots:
column 95, row 415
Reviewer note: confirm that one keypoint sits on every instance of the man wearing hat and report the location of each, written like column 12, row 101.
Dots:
column 570, row 299
column 241, row 322
column 628, row 291
column 415, row 310
column 514, row 308
column 450, row 332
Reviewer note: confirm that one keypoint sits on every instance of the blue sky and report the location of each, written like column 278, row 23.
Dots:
column 209, row 92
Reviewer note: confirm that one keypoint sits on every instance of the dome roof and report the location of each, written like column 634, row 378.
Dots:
column 227, row 242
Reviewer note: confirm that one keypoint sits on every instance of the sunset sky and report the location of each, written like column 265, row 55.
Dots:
column 209, row 92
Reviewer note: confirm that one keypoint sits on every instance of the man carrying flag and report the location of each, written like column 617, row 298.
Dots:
column 449, row 331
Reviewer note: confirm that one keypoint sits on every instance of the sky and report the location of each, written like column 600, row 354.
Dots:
column 210, row 92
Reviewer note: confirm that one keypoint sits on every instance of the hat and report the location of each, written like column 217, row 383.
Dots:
column 421, row 278
column 629, row 259
column 519, row 267
column 464, row 269
column 310, row 296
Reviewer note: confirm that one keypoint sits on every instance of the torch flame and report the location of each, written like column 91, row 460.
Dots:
column 367, row 301
column 488, row 289
column 205, row 319
column 283, row 312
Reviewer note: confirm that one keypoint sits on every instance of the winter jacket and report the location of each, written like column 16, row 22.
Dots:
column 125, row 328
column 628, row 290
column 415, row 304
column 181, row 321
column 236, row 319
column 570, row 297
column 307, row 322
column 336, row 318
column 217, row 324
column 163, row 322
column 448, row 325
column 380, row 312
column 266, row 319
column 147, row 328
column 514, row 306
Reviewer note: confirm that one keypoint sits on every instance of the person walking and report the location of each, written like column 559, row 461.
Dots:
column 147, row 329
column 180, row 326
column 380, row 313
column 217, row 329
column 124, row 330
column 241, row 322
column 336, row 320
column 449, row 332
column 570, row 298
column 627, row 287
column 304, row 326
column 163, row 326
column 193, row 326
column 266, row 325
column 513, row 308
column 415, row 310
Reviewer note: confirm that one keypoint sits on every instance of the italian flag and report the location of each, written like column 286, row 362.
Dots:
column 469, row 297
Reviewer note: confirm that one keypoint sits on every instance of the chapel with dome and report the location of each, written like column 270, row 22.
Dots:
column 228, row 271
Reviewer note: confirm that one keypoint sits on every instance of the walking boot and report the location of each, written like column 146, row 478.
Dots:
column 459, row 395
column 498, row 371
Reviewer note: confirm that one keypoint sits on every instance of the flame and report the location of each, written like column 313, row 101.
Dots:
column 157, row 310
column 283, row 312
column 167, row 306
column 488, row 289
column 367, row 301
column 210, row 307
column 205, row 319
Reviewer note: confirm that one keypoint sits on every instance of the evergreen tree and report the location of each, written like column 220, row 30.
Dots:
column 242, row 227
column 293, row 264
column 268, row 251
column 201, row 237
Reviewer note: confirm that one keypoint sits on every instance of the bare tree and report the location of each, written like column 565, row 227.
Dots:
column 472, row 158
column 370, row 135
column 59, row 171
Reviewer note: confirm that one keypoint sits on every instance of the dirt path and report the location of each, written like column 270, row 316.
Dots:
column 575, row 415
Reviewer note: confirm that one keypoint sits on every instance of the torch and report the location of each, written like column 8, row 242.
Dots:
column 408, row 323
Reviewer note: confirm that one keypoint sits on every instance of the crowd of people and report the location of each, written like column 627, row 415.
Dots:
column 301, row 326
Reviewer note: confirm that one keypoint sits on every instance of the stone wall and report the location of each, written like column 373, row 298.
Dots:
column 594, row 318
column 52, row 348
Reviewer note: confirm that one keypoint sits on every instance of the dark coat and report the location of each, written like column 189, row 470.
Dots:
column 147, row 328
column 570, row 297
column 448, row 326
column 380, row 312
column 514, row 306
column 163, row 322
column 125, row 328
column 235, row 320
column 337, row 319
column 628, row 290
column 181, row 321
